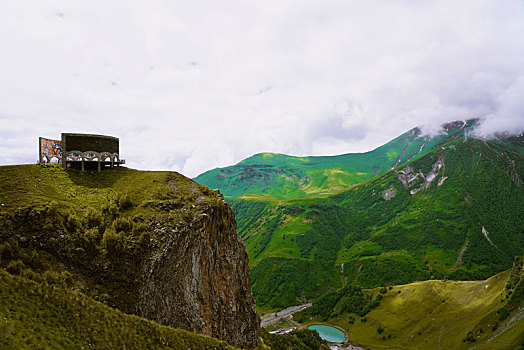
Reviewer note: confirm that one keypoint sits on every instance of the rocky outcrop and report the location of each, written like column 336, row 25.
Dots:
column 389, row 193
column 462, row 251
column 486, row 234
column 407, row 176
column 410, row 179
column 198, row 279
column 435, row 171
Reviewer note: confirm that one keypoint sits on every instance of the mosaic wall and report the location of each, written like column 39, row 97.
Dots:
column 51, row 148
column 81, row 148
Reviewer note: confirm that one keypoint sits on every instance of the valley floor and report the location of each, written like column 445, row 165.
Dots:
column 436, row 315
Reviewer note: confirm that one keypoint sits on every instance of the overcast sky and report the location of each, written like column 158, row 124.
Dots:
column 194, row 85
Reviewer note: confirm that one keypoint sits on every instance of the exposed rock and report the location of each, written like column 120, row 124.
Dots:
column 409, row 178
column 389, row 193
column 402, row 154
column 426, row 139
column 461, row 254
column 415, row 190
column 457, row 123
column 437, row 166
column 486, row 234
column 203, row 278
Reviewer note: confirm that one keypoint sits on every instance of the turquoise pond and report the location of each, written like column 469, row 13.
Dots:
column 329, row 333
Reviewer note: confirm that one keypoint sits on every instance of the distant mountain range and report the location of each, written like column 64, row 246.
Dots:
column 417, row 208
column 284, row 176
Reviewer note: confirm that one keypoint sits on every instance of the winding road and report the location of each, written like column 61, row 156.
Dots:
column 273, row 317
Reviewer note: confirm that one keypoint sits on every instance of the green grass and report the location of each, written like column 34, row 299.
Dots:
column 432, row 315
column 39, row 315
column 512, row 338
column 278, row 245
column 428, row 307
column 428, row 314
column 37, row 185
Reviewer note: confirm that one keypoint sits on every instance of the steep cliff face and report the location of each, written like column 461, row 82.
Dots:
column 154, row 244
column 201, row 273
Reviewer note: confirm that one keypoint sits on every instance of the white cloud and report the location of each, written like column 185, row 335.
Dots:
column 190, row 86
column 510, row 114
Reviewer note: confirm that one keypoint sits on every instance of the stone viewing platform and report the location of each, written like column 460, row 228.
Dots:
column 81, row 151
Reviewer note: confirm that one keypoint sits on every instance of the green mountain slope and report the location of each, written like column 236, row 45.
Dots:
column 286, row 176
column 454, row 213
column 434, row 314
column 47, row 316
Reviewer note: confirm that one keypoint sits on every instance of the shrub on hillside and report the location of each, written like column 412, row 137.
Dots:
column 74, row 223
column 112, row 241
column 303, row 339
column 93, row 218
column 122, row 224
column 124, row 202
column 53, row 207
column 15, row 267
column 6, row 251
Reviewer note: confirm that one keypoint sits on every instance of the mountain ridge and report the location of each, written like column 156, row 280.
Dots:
column 286, row 176
column 409, row 223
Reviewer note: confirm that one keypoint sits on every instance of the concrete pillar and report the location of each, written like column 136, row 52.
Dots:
column 98, row 164
column 111, row 161
column 82, row 163
column 64, row 153
column 40, row 160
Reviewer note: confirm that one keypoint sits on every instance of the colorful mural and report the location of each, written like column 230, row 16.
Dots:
column 50, row 149
column 74, row 156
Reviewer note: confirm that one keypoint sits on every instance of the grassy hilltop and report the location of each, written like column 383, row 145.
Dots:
column 96, row 224
column 57, row 230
